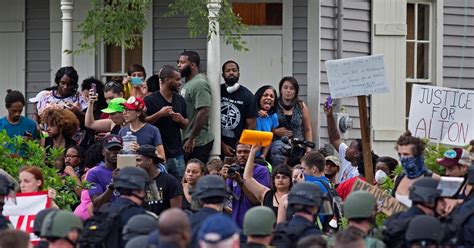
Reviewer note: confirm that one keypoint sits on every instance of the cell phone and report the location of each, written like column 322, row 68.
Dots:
column 94, row 88
column 328, row 102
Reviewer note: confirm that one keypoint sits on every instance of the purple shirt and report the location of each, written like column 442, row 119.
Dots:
column 99, row 177
column 240, row 206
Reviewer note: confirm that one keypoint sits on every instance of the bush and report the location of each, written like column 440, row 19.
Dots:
column 30, row 153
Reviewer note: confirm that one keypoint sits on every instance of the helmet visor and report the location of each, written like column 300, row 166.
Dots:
column 450, row 186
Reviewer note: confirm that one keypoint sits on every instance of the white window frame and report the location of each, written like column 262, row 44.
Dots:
column 147, row 52
column 435, row 68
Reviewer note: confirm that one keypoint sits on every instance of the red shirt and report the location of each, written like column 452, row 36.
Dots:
column 345, row 188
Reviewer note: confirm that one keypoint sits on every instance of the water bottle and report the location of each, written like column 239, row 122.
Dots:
column 127, row 143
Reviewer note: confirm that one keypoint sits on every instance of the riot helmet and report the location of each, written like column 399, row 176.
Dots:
column 359, row 204
column 58, row 224
column 424, row 229
column 6, row 185
column 425, row 191
column 210, row 186
column 131, row 178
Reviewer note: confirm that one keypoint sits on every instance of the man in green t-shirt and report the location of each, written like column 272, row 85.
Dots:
column 197, row 137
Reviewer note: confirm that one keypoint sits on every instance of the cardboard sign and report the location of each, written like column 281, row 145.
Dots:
column 22, row 214
column 385, row 202
column 357, row 76
column 442, row 115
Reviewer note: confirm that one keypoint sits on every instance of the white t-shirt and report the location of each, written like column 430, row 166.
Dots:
column 346, row 171
column 52, row 99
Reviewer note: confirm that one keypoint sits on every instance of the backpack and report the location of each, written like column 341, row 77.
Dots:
column 102, row 228
column 287, row 238
column 336, row 204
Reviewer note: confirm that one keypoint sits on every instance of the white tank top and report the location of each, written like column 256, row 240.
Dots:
column 403, row 199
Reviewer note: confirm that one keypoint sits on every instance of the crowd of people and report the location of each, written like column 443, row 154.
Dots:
column 174, row 194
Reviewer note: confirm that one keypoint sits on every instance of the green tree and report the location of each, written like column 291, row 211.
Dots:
column 115, row 22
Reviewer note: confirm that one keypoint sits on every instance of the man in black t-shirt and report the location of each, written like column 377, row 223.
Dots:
column 166, row 110
column 238, row 111
column 165, row 191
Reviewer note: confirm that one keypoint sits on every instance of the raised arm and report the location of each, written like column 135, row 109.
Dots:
column 333, row 132
column 90, row 122
column 257, row 189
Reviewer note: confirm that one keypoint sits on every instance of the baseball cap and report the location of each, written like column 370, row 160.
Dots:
column 113, row 140
column 134, row 103
column 334, row 160
column 115, row 105
column 39, row 96
column 259, row 221
column 455, row 156
column 216, row 228
column 149, row 151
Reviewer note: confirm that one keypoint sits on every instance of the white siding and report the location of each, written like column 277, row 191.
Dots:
column 356, row 43
column 458, row 44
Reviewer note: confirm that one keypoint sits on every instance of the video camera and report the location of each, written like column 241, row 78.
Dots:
column 294, row 149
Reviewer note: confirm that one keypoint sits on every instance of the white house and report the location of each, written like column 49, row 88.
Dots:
column 423, row 41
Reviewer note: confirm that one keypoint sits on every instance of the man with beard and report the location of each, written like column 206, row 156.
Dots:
column 100, row 177
column 238, row 111
column 166, row 110
column 14, row 123
column 331, row 169
column 197, row 136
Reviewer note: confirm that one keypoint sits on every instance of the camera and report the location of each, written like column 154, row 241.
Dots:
column 294, row 149
column 233, row 169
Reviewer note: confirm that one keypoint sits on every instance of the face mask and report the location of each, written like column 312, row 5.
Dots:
column 380, row 176
column 136, row 80
column 186, row 72
column 231, row 81
column 414, row 166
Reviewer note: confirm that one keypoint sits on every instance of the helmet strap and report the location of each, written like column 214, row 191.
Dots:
column 142, row 198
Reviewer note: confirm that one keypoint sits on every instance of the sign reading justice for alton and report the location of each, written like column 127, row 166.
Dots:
column 443, row 115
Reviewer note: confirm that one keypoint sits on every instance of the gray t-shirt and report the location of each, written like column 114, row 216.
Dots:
column 147, row 135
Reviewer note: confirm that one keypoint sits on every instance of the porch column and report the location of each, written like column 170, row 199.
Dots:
column 67, row 6
column 213, row 73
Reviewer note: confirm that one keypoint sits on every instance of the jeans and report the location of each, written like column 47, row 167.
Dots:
column 175, row 167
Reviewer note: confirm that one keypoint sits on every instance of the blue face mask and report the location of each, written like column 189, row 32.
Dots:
column 136, row 80
column 414, row 166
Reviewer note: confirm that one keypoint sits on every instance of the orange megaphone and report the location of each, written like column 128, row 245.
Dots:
column 252, row 137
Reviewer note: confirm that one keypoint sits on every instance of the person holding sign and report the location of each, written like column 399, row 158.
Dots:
column 349, row 156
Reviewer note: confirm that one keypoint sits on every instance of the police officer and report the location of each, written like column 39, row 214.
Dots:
column 6, row 186
column 424, row 194
column 360, row 209
column 211, row 192
column 462, row 220
column 424, row 231
column 61, row 228
column 130, row 183
column 258, row 226
column 39, row 219
column 304, row 202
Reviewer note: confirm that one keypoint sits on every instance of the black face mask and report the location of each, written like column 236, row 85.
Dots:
column 186, row 72
column 231, row 81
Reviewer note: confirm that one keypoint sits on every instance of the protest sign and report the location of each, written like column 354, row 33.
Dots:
column 22, row 214
column 442, row 115
column 385, row 202
column 357, row 76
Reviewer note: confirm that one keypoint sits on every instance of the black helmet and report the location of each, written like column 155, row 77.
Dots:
column 6, row 186
column 425, row 190
column 307, row 194
column 424, row 228
column 210, row 186
column 133, row 178
column 40, row 216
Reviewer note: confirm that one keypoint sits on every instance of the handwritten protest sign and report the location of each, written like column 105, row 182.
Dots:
column 22, row 214
column 443, row 115
column 386, row 203
column 357, row 76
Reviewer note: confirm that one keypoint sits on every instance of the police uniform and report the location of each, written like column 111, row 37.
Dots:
column 5, row 223
column 196, row 219
column 467, row 230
